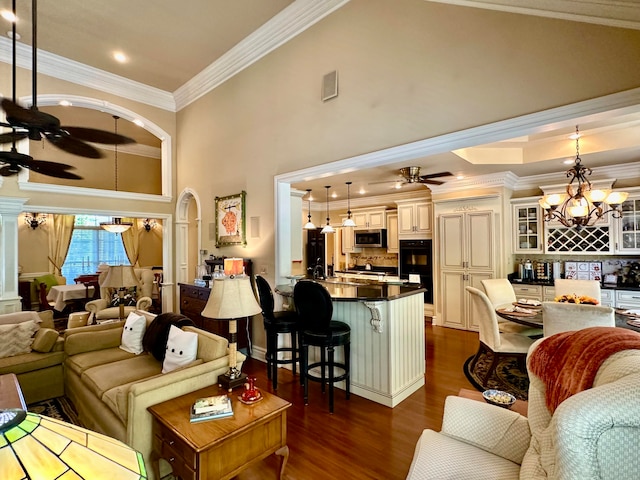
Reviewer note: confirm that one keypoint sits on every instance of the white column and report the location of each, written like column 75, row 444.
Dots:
column 10, row 209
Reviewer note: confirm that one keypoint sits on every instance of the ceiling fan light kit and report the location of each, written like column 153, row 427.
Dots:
column 584, row 206
column 412, row 175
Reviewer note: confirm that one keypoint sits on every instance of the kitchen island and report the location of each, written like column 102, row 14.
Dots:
column 387, row 336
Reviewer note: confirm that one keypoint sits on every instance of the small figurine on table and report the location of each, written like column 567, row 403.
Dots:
column 251, row 393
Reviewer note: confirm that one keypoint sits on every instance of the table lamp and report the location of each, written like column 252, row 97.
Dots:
column 231, row 298
column 121, row 277
column 34, row 446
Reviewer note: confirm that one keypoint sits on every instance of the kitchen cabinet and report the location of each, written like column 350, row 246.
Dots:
column 608, row 297
column 628, row 227
column 347, row 239
column 530, row 292
column 628, row 299
column 368, row 218
column 528, row 228
column 596, row 240
column 415, row 220
column 393, row 244
column 466, row 258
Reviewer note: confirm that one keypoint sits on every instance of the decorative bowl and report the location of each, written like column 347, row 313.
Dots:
column 499, row 398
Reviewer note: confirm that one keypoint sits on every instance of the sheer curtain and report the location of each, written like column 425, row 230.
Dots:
column 59, row 241
column 131, row 241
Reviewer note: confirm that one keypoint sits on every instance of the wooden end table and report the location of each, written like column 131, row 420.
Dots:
column 10, row 392
column 219, row 448
column 520, row 406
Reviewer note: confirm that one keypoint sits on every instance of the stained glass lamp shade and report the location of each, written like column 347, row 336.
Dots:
column 37, row 447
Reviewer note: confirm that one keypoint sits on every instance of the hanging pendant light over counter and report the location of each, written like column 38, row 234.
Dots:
column 328, row 228
column 348, row 222
column 309, row 225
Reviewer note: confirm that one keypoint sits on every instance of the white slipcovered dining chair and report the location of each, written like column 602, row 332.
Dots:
column 500, row 292
column 590, row 288
column 562, row 317
column 491, row 339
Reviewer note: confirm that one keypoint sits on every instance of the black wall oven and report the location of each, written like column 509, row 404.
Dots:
column 416, row 258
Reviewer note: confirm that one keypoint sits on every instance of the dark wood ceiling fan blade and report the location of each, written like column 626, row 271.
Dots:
column 74, row 146
column 436, row 175
column 11, row 137
column 431, row 182
column 98, row 136
column 51, row 169
column 9, row 170
column 28, row 117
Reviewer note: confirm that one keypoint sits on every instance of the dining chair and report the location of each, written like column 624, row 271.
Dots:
column 590, row 288
column 500, row 292
column 562, row 317
column 492, row 341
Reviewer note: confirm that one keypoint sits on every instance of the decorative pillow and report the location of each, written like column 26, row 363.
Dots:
column 155, row 338
column 182, row 349
column 44, row 340
column 16, row 339
column 132, row 333
column 49, row 280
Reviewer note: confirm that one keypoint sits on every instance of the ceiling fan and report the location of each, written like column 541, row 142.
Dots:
column 412, row 175
column 33, row 124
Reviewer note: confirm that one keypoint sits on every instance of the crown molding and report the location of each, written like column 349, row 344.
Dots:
column 87, row 192
column 501, row 180
column 75, row 72
column 622, row 14
column 287, row 24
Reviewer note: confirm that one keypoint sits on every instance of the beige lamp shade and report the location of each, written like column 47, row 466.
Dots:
column 43, row 448
column 231, row 298
column 120, row 276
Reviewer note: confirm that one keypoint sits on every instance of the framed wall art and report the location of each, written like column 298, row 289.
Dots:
column 231, row 220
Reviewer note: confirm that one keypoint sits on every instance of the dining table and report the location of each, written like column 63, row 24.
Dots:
column 61, row 295
column 535, row 319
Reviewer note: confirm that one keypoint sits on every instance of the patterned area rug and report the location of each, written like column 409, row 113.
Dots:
column 59, row 408
column 507, row 377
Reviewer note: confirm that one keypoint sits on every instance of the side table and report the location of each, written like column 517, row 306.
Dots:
column 219, row 448
column 10, row 392
column 520, row 406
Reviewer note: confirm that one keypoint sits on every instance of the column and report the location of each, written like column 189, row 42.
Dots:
column 10, row 209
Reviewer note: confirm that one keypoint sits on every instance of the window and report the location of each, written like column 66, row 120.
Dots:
column 90, row 246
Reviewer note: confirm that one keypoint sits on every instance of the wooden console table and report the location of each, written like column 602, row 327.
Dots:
column 219, row 448
column 10, row 392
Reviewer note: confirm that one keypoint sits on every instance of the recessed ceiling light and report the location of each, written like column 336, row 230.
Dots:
column 138, row 122
column 362, row 191
column 65, row 103
column 120, row 57
column 10, row 35
column 575, row 136
column 398, row 185
column 568, row 161
column 8, row 15
column 460, row 177
column 334, row 195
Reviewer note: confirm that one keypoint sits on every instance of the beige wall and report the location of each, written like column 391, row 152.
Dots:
column 408, row 70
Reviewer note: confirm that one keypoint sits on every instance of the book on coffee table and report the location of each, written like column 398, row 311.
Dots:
column 210, row 408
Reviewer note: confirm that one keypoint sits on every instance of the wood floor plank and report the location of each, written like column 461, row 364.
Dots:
column 362, row 439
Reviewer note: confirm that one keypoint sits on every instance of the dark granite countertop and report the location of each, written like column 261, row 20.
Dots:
column 346, row 290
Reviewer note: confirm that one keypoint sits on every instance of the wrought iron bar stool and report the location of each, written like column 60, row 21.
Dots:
column 283, row 321
column 315, row 308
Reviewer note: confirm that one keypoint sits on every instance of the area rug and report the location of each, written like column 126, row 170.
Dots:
column 59, row 408
column 507, row 377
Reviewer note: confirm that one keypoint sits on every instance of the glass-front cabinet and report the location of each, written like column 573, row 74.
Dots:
column 527, row 224
column 629, row 227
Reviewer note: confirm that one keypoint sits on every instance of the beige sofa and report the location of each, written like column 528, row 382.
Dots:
column 101, row 308
column 111, row 389
column 39, row 371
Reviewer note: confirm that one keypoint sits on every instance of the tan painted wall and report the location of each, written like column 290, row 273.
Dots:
column 408, row 70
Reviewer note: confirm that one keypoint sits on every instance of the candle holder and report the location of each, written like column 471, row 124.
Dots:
column 251, row 393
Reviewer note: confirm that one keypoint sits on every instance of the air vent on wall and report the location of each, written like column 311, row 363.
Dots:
column 330, row 86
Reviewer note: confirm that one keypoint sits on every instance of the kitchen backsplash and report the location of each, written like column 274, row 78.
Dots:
column 381, row 259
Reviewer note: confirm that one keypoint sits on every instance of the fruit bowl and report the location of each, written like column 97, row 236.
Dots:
column 499, row 398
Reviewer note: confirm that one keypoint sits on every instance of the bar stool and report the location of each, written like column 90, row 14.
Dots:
column 275, row 323
column 315, row 308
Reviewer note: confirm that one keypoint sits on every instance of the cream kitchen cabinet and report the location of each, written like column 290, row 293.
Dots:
column 628, row 227
column 467, row 247
column 348, row 240
column 530, row 292
column 528, row 228
column 628, row 299
column 367, row 218
column 415, row 220
column 393, row 244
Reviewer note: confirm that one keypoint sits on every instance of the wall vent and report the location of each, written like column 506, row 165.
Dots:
column 330, row 86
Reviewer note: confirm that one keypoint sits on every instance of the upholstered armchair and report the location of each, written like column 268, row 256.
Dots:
column 593, row 433
column 102, row 309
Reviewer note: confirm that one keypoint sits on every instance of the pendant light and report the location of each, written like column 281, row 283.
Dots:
column 116, row 225
column 348, row 222
column 327, row 228
column 309, row 225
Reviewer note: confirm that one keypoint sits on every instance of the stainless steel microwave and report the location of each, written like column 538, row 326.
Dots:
column 370, row 238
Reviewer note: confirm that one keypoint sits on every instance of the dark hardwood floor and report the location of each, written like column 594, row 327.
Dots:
column 362, row 439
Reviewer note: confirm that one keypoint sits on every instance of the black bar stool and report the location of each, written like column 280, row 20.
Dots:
column 315, row 308
column 274, row 323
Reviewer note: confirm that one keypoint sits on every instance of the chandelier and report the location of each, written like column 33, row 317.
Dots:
column 581, row 206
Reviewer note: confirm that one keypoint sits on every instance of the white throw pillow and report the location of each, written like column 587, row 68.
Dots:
column 16, row 339
column 182, row 349
column 132, row 333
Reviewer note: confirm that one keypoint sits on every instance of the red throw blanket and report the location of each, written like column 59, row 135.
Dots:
column 567, row 362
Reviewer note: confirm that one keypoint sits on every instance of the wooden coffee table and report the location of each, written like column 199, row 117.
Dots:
column 219, row 448
column 10, row 392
